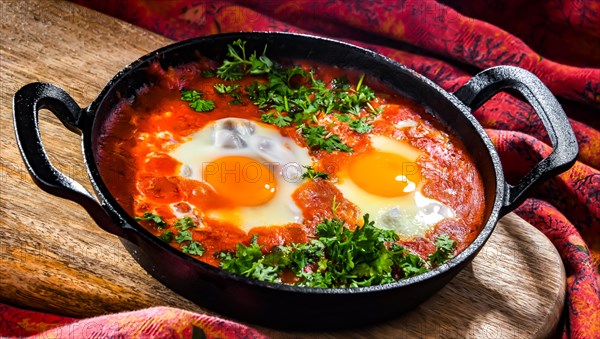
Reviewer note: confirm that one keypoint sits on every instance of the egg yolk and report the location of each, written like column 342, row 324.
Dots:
column 384, row 174
column 243, row 180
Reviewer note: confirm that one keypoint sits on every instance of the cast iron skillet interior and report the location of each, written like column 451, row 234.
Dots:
column 280, row 305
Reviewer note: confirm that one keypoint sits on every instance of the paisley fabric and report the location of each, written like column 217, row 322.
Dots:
column 448, row 42
column 156, row 322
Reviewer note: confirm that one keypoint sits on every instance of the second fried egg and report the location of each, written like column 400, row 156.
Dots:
column 385, row 182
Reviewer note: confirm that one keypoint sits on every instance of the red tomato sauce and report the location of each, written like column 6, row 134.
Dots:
column 136, row 167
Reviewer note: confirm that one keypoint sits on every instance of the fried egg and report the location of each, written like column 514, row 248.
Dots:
column 386, row 183
column 249, row 164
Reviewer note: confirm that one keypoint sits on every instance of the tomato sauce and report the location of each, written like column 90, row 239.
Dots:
column 136, row 167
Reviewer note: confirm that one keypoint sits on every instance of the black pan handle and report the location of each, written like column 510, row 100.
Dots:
column 565, row 149
column 27, row 103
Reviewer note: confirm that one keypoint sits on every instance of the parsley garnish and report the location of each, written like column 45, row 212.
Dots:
column 293, row 97
column 233, row 90
column 337, row 257
column 184, row 223
column 149, row 216
column 166, row 236
column 361, row 126
column 358, row 125
column 444, row 251
column 334, row 205
column 194, row 98
column 344, row 117
column 183, row 236
column 314, row 175
column 194, row 248
column 317, row 136
column 237, row 65
column 276, row 119
column 250, row 262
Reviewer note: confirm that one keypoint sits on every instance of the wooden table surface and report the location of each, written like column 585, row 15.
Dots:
column 54, row 258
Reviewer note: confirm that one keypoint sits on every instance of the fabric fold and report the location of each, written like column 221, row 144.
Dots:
column 448, row 42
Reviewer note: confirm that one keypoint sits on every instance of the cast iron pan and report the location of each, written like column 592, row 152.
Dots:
column 274, row 304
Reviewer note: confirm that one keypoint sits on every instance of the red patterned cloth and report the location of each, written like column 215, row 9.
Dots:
column 447, row 41
column 155, row 322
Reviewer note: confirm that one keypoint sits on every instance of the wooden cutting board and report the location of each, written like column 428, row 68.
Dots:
column 54, row 258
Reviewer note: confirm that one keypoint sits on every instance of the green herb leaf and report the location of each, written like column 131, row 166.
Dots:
column 444, row 251
column 234, row 90
column 410, row 264
column 237, row 64
column 314, row 175
column 202, row 105
column 249, row 261
column 344, row 118
column 335, row 205
column 293, row 97
column 194, row 248
column 149, row 216
column 183, row 236
column 276, row 119
column 361, row 126
column 190, row 95
column 166, row 236
column 260, row 65
column 184, row 223
column 317, row 136
column 226, row 89
column 338, row 257
column 194, row 98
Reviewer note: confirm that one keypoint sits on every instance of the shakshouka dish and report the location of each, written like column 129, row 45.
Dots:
column 291, row 171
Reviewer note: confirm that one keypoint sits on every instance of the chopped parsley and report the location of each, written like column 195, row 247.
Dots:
column 336, row 257
column 249, row 261
column 183, row 236
column 344, row 117
column 444, row 251
column 276, row 119
column 194, row 99
column 233, row 90
column 184, row 223
column 194, row 248
column 361, row 126
column 293, row 97
column 166, row 236
column 319, row 137
column 149, row 216
column 237, row 65
column 314, row 175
